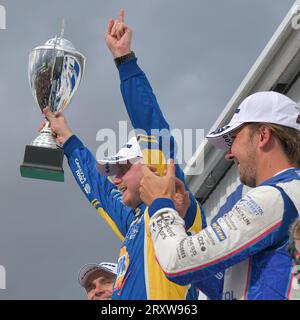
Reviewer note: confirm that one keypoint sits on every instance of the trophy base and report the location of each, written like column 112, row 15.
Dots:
column 43, row 163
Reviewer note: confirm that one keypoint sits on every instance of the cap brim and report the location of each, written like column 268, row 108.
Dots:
column 88, row 270
column 110, row 167
column 221, row 137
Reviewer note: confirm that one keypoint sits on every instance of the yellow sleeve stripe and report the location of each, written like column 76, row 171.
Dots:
column 111, row 223
column 139, row 136
column 110, row 179
column 155, row 157
column 108, row 219
column 197, row 225
column 148, row 140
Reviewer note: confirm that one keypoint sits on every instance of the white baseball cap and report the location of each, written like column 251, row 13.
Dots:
column 131, row 151
column 267, row 107
column 108, row 268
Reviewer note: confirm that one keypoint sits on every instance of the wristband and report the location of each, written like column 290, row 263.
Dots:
column 124, row 58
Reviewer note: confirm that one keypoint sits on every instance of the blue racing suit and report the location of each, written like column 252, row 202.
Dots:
column 139, row 274
column 250, row 241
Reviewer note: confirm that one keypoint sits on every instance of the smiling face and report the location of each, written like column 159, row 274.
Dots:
column 99, row 285
column 244, row 153
column 128, row 181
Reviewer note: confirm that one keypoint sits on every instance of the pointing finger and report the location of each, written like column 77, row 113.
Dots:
column 122, row 15
column 171, row 168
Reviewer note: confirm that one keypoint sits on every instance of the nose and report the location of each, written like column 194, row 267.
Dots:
column 98, row 291
column 91, row 294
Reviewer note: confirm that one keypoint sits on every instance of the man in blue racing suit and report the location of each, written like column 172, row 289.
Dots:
column 251, row 240
column 139, row 275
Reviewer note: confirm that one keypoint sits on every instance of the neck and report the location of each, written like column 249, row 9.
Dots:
column 269, row 166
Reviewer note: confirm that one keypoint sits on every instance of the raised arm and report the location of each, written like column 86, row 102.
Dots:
column 99, row 190
column 151, row 127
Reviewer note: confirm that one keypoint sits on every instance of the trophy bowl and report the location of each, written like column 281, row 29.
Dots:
column 55, row 71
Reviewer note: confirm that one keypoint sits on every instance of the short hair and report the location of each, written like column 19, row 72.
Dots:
column 289, row 139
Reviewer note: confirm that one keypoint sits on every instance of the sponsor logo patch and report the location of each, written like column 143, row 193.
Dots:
column 87, row 188
column 134, row 229
column 227, row 139
column 162, row 220
column 79, row 172
column 123, row 264
column 220, row 130
column 218, row 231
column 252, row 206
column 201, row 243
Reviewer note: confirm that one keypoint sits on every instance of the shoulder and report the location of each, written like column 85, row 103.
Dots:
column 262, row 200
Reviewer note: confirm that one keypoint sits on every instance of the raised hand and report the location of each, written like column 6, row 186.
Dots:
column 58, row 125
column 154, row 187
column 118, row 36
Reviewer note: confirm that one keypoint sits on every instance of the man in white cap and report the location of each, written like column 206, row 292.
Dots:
column 98, row 280
column 251, row 240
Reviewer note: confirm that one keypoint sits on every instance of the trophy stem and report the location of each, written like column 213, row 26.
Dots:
column 45, row 139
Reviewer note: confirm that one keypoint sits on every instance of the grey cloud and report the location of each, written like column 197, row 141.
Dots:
column 195, row 54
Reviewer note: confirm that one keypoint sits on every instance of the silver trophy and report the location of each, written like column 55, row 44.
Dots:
column 55, row 71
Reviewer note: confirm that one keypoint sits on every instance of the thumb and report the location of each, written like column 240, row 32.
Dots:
column 48, row 113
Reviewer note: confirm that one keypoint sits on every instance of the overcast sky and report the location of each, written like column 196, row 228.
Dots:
column 195, row 53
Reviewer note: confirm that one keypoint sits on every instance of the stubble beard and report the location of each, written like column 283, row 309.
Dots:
column 248, row 172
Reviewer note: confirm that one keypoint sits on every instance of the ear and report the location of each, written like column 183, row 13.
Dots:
column 264, row 136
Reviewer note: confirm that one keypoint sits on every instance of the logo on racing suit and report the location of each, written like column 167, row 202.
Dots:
column 251, row 206
column 201, row 243
column 162, row 220
column 79, row 172
column 134, row 229
column 87, row 188
column 123, row 264
column 218, row 231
